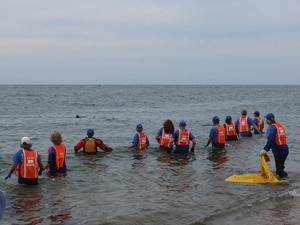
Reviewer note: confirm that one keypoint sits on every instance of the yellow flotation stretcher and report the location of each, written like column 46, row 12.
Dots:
column 265, row 176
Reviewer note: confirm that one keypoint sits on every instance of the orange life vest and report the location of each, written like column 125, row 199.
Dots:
column 90, row 145
column 280, row 137
column 183, row 137
column 243, row 124
column 60, row 155
column 165, row 139
column 260, row 123
column 221, row 138
column 230, row 129
column 29, row 165
column 142, row 141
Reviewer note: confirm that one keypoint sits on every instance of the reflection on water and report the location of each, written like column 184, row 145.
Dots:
column 177, row 175
column 36, row 205
column 59, row 211
column 138, row 158
column 218, row 157
column 164, row 156
column 27, row 204
column 92, row 161
column 56, row 201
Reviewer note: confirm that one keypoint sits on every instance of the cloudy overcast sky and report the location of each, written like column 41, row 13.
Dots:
column 150, row 42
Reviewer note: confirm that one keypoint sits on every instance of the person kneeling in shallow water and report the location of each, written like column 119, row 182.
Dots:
column 27, row 164
column 90, row 144
column 277, row 141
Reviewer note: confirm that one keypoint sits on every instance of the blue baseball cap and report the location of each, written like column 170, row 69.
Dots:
column 228, row 118
column 270, row 116
column 182, row 123
column 90, row 132
column 139, row 126
column 216, row 118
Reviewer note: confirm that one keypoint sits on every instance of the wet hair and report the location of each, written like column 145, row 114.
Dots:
column 256, row 113
column 244, row 112
column 168, row 126
column 56, row 137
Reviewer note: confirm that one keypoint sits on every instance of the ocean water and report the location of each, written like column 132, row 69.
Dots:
column 122, row 187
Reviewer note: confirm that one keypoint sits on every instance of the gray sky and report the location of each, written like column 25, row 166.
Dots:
column 150, row 42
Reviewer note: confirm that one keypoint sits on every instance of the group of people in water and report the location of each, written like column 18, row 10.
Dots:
column 179, row 140
column 27, row 164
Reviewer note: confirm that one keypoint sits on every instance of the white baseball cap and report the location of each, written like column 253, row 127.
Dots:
column 25, row 141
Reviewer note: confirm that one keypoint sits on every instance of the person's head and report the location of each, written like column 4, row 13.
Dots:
column 182, row 123
column 228, row 119
column 56, row 137
column 244, row 112
column 168, row 126
column 90, row 133
column 139, row 127
column 215, row 120
column 270, row 117
column 256, row 114
column 25, row 143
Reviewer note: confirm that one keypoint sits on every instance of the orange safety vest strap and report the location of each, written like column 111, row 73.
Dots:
column 29, row 164
column 280, row 137
column 165, row 139
column 142, row 141
column 243, row 124
column 60, row 151
column 221, row 138
column 183, row 137
column 230, row 129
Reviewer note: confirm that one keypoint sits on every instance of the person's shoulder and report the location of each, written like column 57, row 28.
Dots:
column 19, row 152
column 51, row 149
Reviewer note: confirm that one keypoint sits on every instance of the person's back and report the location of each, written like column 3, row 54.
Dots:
column 140, row 140
column 230, row 129
column 258, row 121
column 90, row 144
column 217, row 135
column 56, row 163
column 27, row 164
column 164, row 135
column 244, row 124
column 182, row 138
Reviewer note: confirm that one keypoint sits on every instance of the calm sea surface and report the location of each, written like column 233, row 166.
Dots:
column 120, row 188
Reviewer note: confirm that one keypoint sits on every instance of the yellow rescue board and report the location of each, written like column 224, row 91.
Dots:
column 265, row 176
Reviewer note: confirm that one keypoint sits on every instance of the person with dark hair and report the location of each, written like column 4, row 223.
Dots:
column 182, row 138
column 245, row 125
column 217, row 135
column 277, row 141
column 56, row 163
column 140, row 139
column 258, row 121
column 27, row 163
column 164, row 135
column 230, row 129
column 90, row 144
